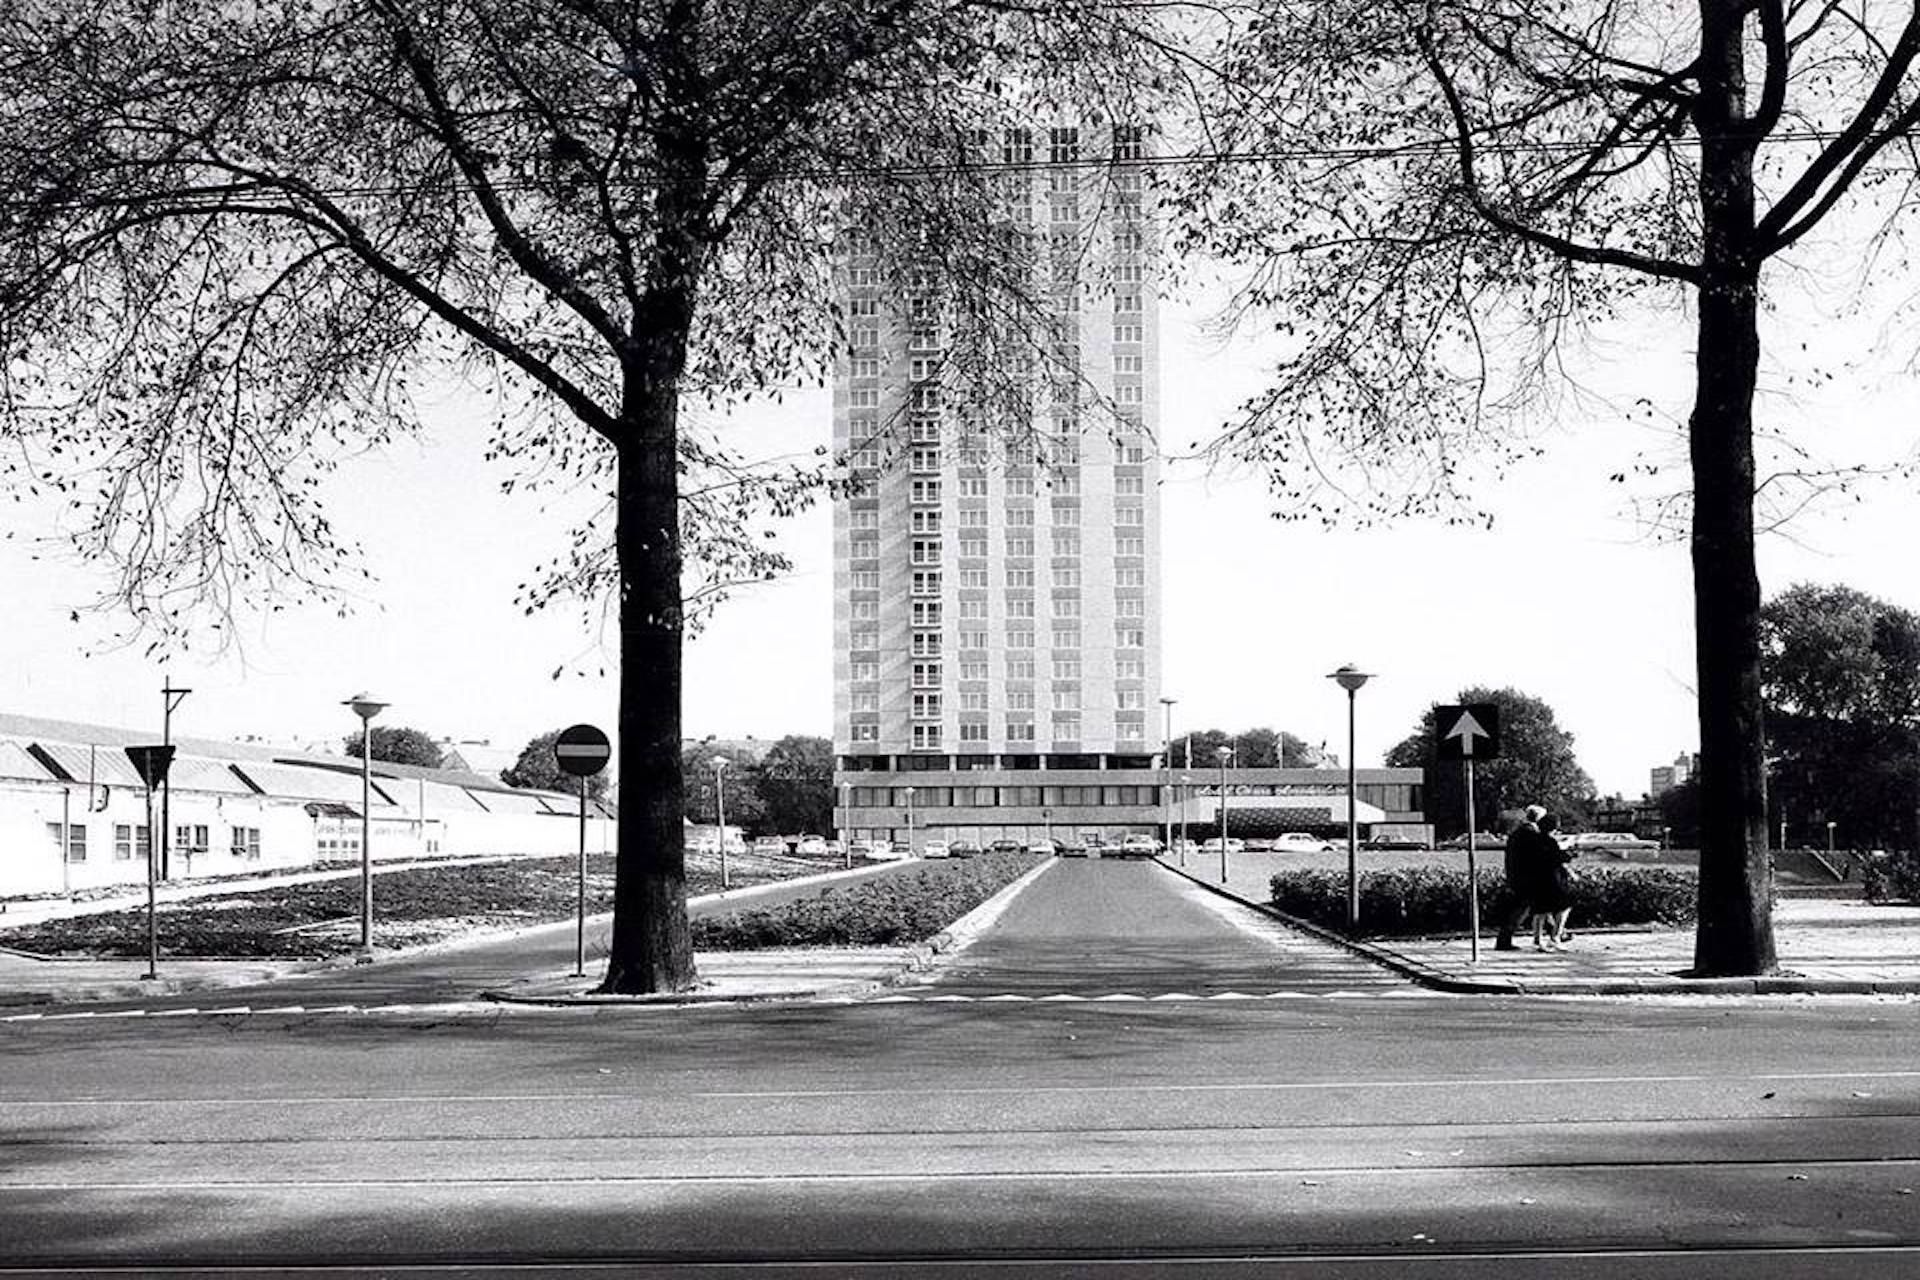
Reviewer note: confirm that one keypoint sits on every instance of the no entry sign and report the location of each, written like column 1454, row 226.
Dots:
column 581, row 751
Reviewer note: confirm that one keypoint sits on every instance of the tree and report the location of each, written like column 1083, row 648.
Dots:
column 1842, row 684
column 234, row 240
column 1449, row 189
column 1536, row 765
column 738, row 782
column 397, row 744
column 538, row 769
column 795, row 784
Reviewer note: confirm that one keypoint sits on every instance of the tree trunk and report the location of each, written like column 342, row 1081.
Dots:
column 651, row 949
column 1735, row 934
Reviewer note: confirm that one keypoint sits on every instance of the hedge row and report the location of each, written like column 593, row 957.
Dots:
column 907, row 906
column 1892, row 877
column 1408, row 901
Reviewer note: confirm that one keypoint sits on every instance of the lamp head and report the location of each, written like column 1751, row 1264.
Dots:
column 365, row 705
column 1225, row 753
column 1350, row 677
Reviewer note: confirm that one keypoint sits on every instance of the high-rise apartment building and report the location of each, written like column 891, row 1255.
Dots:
column 997, row 615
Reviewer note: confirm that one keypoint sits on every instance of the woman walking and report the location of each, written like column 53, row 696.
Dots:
column 1552, row 889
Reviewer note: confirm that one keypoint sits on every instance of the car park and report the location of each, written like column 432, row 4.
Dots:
column 1005, row 846
column 877, row 850
column 1139, row 846
column 812, row 846
column 834, row 849
column 963, row 849
column 1387, row 842
column 1045, row 848
column 934, row 849
column 1301, row 842
column 1484, row 840
column 1234, row 845
column 769, row 845
column 1070, row 849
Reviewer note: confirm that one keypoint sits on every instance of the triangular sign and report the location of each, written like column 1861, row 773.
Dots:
column 151, row 763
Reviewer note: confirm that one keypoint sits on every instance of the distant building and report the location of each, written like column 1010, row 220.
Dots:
column 73, row 811
column 480, row 757
column 1664, row 778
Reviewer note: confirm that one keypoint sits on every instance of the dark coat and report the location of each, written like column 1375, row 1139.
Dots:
column 1553, row 889
column 1523, row 861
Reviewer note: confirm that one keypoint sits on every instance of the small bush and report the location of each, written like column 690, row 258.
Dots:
column 1408, row 901
column 1892, row 877
column 907, row 906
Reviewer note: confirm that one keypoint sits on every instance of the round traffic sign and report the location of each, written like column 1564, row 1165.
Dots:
column 581, row 751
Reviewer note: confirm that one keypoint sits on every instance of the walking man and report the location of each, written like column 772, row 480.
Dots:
column 1522, row 866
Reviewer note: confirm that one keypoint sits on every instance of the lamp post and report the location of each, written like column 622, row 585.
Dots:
column 1046, row 822
column 1186, row 794
column 846, row 825
column 1829, row 839
column 909, row 791
column 366, row 707
column 720, row 813
column 1166, row 771
column 1350, row 678
column 1225, row 754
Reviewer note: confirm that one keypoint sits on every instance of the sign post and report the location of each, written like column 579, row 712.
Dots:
column 151, row 764
column 1467, row 733
column 581, row 751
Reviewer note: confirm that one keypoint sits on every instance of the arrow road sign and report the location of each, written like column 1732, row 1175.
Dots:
column 1469, row 732
column 581, row 751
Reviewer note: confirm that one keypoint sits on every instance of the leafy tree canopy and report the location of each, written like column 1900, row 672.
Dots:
column 397, row 744
column 1536, row 765
column 795, row 784
column 536, row 768
column 1259, row 748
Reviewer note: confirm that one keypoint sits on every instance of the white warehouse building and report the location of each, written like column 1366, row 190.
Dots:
column 73, row 810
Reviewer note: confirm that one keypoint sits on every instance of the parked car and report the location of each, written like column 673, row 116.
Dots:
column 1259, row 844
column 1484, row 840
column 1301, row 842
column 1606, row 842
column 963, row 849
column 1004, row 846
column 878, row 850
column 812, row 845
column 1393, row 842
column 1070, row 848
column 934, row 849
column 834, row 849
column 770, row 845
column 1045, row 848
column 1139, row 846
column 1234, row 845
column 1184, row 847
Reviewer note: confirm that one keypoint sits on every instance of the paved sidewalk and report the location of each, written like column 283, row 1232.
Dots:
column 1826, row 946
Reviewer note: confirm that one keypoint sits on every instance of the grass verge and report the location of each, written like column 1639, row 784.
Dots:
column 320, row 919
column 909, row 906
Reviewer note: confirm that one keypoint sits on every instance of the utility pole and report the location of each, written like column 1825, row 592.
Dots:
column 170, row 698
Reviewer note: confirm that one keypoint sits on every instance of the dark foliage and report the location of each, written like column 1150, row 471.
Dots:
column 1409, row 901
column 905, row 907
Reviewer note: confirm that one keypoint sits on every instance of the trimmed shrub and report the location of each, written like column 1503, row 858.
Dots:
column 1892, row 877
column 907, row 906
column 1408, row 901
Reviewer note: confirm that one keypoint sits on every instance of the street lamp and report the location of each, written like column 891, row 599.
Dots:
column 1186, row 794
column 366, row 708
column 846, row 825
column 1225, row 754
column 1046, row 821
column 1166, row 770
column 1350, row 678
column 1829, row 839
column 720, row 814
column 909, row 791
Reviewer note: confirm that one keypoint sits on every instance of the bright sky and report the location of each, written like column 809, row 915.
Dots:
column 1565, row 597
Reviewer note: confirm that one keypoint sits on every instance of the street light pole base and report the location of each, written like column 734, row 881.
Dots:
column 363, row 957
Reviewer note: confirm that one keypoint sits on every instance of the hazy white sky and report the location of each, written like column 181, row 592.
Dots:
column 1565, row 597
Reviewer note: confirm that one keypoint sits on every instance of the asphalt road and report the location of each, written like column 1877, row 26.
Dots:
column 1284, row 1135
